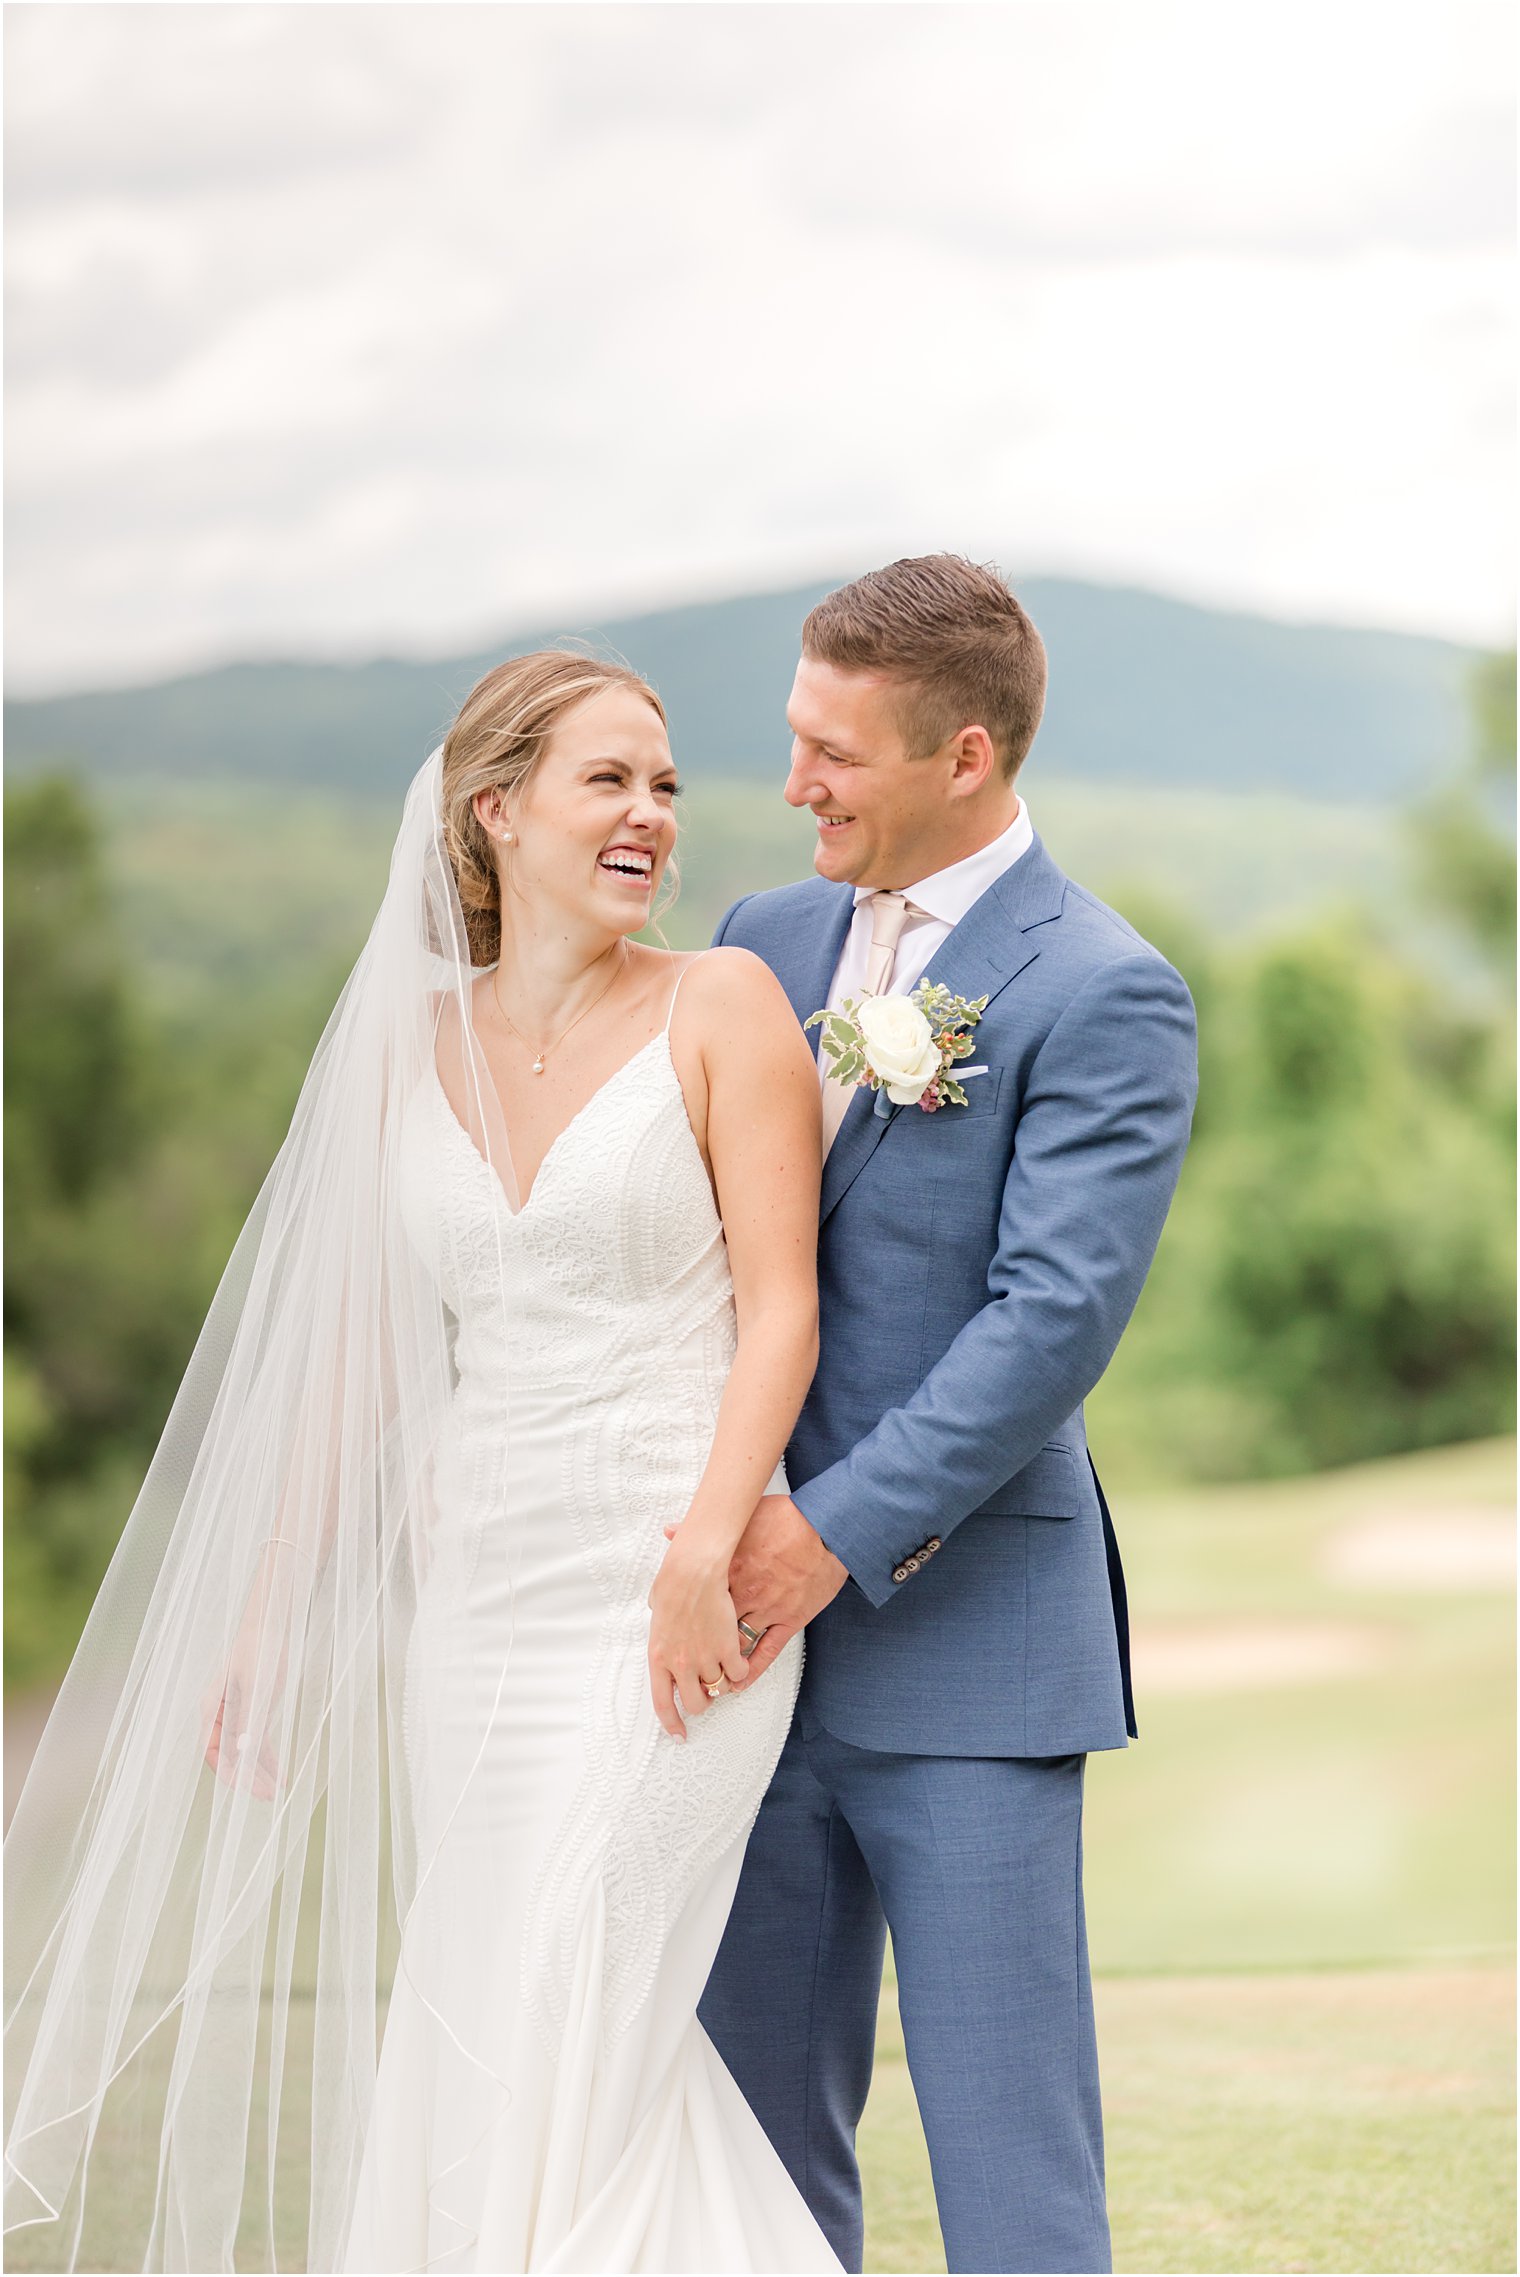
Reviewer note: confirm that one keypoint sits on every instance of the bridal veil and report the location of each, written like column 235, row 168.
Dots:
column 194, row 1956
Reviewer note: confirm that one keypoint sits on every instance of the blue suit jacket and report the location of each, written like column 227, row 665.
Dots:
column 976, row 1269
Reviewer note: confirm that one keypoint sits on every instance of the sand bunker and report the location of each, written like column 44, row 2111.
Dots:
column 1245, row 1656
column 1425, row 1550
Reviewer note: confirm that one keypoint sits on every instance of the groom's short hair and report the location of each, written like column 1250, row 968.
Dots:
column 951, row 631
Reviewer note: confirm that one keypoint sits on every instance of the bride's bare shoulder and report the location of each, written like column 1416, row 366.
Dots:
column 733, row 999
column 733, row 980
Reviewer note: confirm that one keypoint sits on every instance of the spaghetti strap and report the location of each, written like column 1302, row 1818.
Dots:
column 675, row 992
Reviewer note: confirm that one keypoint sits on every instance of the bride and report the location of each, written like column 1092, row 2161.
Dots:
column 532, row 1276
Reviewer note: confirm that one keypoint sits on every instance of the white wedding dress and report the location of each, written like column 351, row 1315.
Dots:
column 546, row 2098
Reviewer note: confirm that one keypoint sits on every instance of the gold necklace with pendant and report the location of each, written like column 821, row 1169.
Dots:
column 542, row 1059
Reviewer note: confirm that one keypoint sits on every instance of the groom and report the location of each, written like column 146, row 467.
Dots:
column 946, row 1540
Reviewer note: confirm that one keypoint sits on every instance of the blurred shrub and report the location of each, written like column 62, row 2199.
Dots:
column 1336, row 1279
column 71, row 1041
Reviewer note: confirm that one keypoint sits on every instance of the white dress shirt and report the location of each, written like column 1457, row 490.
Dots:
column 945, row 898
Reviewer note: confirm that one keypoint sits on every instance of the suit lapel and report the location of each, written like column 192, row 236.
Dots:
column 993, row 943
column 804, row 963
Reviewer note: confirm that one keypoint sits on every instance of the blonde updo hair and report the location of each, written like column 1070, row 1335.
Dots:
column 497, row 739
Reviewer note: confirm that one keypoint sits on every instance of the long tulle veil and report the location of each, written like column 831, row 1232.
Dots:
column 195, row 1956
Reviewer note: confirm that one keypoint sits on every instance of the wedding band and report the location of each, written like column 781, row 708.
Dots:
column 754, row 1635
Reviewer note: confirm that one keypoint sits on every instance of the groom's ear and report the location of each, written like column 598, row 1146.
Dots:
column 973, row 761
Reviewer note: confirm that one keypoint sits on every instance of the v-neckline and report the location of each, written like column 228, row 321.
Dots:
column 662, row 1037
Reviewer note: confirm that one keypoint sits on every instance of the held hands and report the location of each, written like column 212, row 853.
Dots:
column 781, row 1577
column 694, row 1641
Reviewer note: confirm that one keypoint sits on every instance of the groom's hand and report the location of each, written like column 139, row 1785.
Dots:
column 781, row 1577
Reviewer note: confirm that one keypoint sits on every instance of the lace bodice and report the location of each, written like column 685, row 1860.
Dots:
column 618, row 1243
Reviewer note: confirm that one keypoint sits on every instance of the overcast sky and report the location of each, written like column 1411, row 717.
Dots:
column 339, row 329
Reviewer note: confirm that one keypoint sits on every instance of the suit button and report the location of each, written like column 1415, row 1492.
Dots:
column 913, row 1565
column 899, row 1573
column 932, row 1545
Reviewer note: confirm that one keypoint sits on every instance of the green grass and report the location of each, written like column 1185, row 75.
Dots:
column 1363, row 1817
column 1340, row 2122
column 1343, row 2122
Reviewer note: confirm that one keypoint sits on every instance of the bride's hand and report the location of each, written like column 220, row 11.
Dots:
column 693, row 1635
column 225, row 1703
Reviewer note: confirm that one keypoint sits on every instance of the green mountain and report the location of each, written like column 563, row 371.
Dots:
column 1145, row 692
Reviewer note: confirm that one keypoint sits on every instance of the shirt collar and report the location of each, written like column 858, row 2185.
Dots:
column 949, row 893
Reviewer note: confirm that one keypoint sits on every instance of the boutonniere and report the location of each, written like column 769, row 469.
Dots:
column 905, row 1046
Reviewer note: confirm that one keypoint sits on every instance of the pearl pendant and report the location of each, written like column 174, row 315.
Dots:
column 538, row 1064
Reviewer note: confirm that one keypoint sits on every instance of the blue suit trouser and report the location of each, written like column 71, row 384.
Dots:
column 975, row 1865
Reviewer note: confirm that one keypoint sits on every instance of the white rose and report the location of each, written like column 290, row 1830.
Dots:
column 900, row 1047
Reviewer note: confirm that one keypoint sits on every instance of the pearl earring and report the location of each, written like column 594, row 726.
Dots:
column 506, row 838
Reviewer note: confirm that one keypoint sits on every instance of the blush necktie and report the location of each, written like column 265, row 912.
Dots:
column 889, row 914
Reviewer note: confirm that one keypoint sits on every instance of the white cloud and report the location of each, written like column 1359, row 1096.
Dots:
column 345, row 326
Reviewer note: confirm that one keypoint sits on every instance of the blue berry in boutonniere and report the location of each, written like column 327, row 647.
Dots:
column 903, row 1045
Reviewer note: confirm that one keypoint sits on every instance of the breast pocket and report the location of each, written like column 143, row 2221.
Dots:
column 982, row 1093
